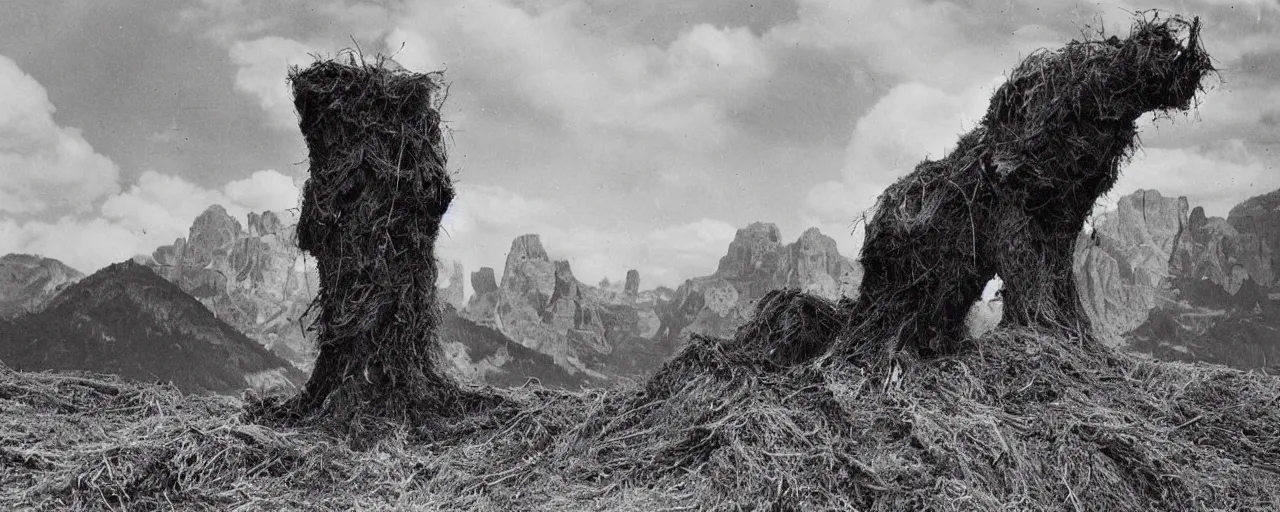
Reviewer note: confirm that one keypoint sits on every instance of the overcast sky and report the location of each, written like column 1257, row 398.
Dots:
column 629, row 134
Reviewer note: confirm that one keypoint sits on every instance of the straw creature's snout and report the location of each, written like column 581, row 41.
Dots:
column 1171, row 65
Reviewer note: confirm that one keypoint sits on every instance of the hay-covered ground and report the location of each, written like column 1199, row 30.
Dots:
column 1018, row 422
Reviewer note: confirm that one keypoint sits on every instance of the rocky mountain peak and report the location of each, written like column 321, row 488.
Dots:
column 265, row 223
column 567, row 287
column 756, row 263
column 1155, row 266
column 814, row 264
column 1213, row 250
column 529, row 272
column 812, row 240
column 248, row 278
column 527, row 247
column 541, row 305
column 1149, row 219
column 752, row 253
column 483, row 281
column 564, row 272
column 632, row 285
column 1259, row 217
column 1197, row 219
column 24, row 260
column 1120, row 266
column 813, row 234
column 214, row 227
column 1257, row 207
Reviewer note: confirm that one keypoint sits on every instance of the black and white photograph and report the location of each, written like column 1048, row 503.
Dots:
column 663, row 255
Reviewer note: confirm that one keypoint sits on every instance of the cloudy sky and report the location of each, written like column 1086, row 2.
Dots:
column 628, row 134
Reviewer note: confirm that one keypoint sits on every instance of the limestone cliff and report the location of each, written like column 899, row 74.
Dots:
column 1258, row 222
column 1122, row 264
column 542, row 306
column 632, row 285
column 255, row 279
column 1213, row 249
column 1181, row 285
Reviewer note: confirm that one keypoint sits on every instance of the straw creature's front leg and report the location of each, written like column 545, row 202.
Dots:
column 919, row 292
column 1039, row 288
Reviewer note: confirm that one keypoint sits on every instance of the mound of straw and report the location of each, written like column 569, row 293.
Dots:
column 787, row 328
column 1014, row 195
column 370, row 215
column 1030, row 422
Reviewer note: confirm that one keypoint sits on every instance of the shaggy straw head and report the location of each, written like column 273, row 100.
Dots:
column 1014, row 195
column 370, row 215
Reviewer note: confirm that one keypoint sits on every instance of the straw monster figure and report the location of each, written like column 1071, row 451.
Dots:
column 370, row 216
column 1013, row 196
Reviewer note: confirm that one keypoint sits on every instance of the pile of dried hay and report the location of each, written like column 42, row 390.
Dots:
column 370, row 215
column 1029, row 422
column 787, row 328
column 1014, row 195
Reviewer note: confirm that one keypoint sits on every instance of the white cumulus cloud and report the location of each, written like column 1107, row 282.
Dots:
column 1216, row 176
column 152, row 212
column 262, row 68
column 44, row 168
column 585, row 79
column 263, row 190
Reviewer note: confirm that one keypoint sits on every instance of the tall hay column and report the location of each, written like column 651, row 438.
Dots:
column 1014, row 195
column 370, row 215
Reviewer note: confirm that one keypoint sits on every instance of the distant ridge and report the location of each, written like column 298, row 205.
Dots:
column 126, row 320
column 28, row 282
column 1165, row 279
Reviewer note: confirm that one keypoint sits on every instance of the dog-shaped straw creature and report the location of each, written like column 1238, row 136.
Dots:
column 1014, row 195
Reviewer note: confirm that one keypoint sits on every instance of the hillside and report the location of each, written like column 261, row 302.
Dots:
column 8, row 331
column 481, row 354
column 252, row 277
column 128, row 321
column 28, row 282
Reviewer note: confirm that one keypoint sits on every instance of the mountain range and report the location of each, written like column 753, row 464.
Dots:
column 756, row 263
column 127, row 320
column 1163, row 278
column 1156, row 277
column 606, row 332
